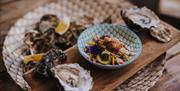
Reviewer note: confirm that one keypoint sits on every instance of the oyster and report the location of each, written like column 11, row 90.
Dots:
column 47, row 22
column 39, row 70
column 161, row 33
column 43, row 37
column 49, row 59
column 144, row 19
column 73, row 77
column 50, row 84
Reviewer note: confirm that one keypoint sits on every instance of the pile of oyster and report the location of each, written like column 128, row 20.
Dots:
column 43, row 36
column 144, row 19
column 68, row 77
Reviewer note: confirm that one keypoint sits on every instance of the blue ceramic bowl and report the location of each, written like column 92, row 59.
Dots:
column 123, row 33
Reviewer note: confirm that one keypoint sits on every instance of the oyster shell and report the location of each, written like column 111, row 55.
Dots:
column 73, row 77
column 52, row 57
column 47, row 22
column 144, row 19
column 43, row 37
column 161, row 33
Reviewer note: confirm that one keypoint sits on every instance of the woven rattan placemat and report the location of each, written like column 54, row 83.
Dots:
column 145, row 78
column 74, row 9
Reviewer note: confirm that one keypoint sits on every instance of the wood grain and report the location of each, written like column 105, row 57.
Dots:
column 170, row 80
column 17, row 9
column 7, row 83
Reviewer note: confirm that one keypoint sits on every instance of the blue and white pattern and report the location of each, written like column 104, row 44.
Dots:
column 123, row 33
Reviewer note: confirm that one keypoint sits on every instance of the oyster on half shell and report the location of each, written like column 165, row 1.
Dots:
column 73, row 77
column 144, row 19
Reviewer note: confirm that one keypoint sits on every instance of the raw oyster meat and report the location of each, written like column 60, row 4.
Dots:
column 144, row 19
column 42, row 37
column 73, row 77
column 49, row 59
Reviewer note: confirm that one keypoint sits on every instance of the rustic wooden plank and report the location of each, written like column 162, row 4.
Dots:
column 8, row 84
column 7, row 1
column 18, row 8
column 107, row 80
column 170, row 81
column 174, row 51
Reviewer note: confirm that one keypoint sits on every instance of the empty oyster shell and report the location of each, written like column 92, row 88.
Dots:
column 73, row 77
column 161, row 33
column 144, row 19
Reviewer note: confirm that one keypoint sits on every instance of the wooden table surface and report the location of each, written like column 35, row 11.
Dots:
column 12, row 10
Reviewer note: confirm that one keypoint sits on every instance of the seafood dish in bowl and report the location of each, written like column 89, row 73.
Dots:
column 109, row 46
column 108, row 50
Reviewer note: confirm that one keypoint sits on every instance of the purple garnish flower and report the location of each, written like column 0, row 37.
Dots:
column 95, row 50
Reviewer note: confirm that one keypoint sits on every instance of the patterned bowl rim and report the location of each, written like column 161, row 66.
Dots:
column 109, row 66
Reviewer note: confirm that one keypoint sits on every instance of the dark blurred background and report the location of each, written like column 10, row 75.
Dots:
column 167, row 10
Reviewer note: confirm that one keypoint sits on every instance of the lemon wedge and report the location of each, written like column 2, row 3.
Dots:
column 90, row 43
column 63, row 26
column 34, row 57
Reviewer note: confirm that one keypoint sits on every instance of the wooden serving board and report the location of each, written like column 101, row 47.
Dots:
column 107, row 80
column 104, row 80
